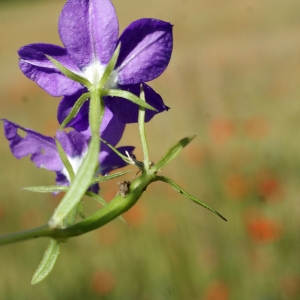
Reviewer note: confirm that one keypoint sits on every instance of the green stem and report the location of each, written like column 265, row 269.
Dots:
column 83, row 178
column 25, row 235
column 111, row 211
column 142, row 131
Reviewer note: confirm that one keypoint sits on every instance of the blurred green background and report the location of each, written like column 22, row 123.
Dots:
column 234, row 80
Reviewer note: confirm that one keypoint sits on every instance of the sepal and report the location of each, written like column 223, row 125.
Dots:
column 110, row 67
column 108, row 177
column 129, row 96
column 75, row 110
column 68, row 73
column 65, row 160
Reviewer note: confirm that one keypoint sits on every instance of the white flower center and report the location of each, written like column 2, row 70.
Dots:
column 94, row 72
column 75, row 163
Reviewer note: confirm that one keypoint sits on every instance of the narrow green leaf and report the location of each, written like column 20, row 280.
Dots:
column 47, row 262
column 173, row 152
column 65, row 160
column 75, row 109
column 108, row 177
column 129, row 96
column 125, row 158
column 100, row 200
column 46, row 189
column 185, row 194
column 69, row 73
column 110, row 67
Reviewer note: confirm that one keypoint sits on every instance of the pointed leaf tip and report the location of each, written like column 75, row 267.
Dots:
column 173, row 152
column 47, row 263
column 185, row 194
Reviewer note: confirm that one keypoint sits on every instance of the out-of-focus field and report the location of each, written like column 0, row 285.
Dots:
column 234, row 80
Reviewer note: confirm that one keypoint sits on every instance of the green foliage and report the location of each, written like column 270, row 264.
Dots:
column 47, row 262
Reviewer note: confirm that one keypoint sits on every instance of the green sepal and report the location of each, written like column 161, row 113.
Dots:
column 65, row 159
column 185, row 194
column 110, row 67
column 124, row 157
column 173, row 152
column 46, row 189
column 75, row 109
column 129, row 96
column 47, row 263
column 101, row 200
column 108, row 177
column 69, row 73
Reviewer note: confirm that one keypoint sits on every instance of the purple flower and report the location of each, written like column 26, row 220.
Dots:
column 44, row 153
column 89, row 32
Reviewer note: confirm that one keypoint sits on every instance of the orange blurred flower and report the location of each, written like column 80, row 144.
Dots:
column 217, row 290
column 256, row 128
column 262, row 229
column 270, row 189
column 103, row 282
column 237, row 186
column 221, row 130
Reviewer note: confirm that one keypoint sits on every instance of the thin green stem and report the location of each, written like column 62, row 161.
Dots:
column 44, row 230
column 141, row 120
column 111, row 211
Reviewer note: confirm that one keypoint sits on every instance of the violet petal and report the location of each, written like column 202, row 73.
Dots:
column 80, row 122
column 146, row 47
column 73, row 143
column 89, row 31
column 111, row 128
column 112, row 161
column 41, row 148
column 37, row 67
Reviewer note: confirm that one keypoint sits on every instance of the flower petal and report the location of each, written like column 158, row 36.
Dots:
column 89, row 31
column 146, row 47
column 111, row 128
column 37, row 67
column 41, row 148
column 73, row 143
column 80, row 122
column 127, row 112
column 111, row 161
